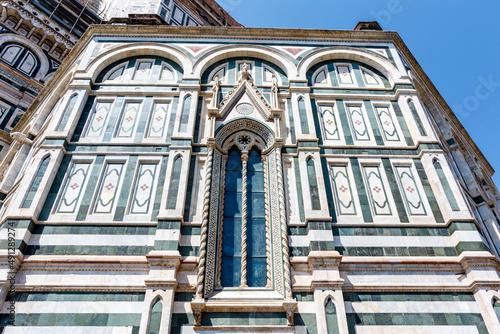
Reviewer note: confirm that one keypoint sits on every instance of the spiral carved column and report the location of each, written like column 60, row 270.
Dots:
column 283, row 222
column 204, row 223
column 221, row 222
column 268, row 223
column 244, row 209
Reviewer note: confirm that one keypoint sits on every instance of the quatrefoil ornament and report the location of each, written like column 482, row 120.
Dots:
column 244, row 141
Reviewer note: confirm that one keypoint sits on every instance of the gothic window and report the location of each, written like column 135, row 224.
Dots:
column 20, row 57
column 155, row 318
column 496, row 307
column 174, row 185
column 67, row 112
column 185, row 114
column 244, row 222
column 446, row 185
column 417, row 118
column 167, row 73
column 142, row 71
column 313, row 184
column 35, row 184
column 331, row 317
column 303, row 116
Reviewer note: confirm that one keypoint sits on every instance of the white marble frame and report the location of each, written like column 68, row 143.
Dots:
column 119, row 120
column 410, row 120
column 323, row 213
column 178, row 212
column 379, row 219
column 351, row 72
column 290, row 188
column 376, row 76
column 321, row 297
column 147, row 216
column 448, row 214
column 420, row 219
column 395, row 121
column 54, row 215
column 361, row 105
column 188, row 134
column 170, row 101
column 296, row 116
column 107, row 217
column 328, row 82
column 346, row 219
column 331, row 142
column 95, row 140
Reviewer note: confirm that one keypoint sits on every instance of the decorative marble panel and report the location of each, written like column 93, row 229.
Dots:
column 370, row 79
column 345, row 74
column 143, row 69
column 329, row 123
column 376, row 190
column 28, row 64
column 358, row 123
column 129, row 118
column 99, row 117
column 73, row 187
column 321, row 77
column 166, row 73
column 387, row 124
column 410, row 191
column 108, row 190
column 158, row 120
column 11, row 53
column 343, row 191
column 116, row 75
column 141, row 201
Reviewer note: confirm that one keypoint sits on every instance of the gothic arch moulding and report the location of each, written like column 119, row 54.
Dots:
column 333, row 53
column 253, row 51
column 97, row 65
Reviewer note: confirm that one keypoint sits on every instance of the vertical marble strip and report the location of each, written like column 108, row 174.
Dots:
column 159, row 188
column 107, row 193
column 67, row 112
column 410, row 191
column 344, row 122
column 173, row 115
column 141, row 200
column 396, row 194
column 343, row 191
column 73, row 187
column 377, row 191
column 98, row 121
column 372, row 118
column 446, row 186
column 186, row 107
column 429, row 193
column 313, row 184
column 90, row 189
column 35, row 183
column 174, row 184
column 402, row 123
column 417, row 118
column 304, row 124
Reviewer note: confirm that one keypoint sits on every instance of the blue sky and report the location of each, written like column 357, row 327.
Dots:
column 457, row 43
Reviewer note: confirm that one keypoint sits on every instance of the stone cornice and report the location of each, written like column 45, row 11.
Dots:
column 261, row 34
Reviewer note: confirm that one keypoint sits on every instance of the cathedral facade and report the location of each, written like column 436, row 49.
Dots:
column 234, row 180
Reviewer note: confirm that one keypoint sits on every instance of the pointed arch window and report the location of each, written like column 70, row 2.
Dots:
column 67, row 112
column 446, row 185
column 303, row 116
column 313, row 184
column 35, row 184
column 155, row 318
column 331, row 317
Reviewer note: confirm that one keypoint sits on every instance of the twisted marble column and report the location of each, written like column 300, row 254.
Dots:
column 204, row 223
column 244, row 209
